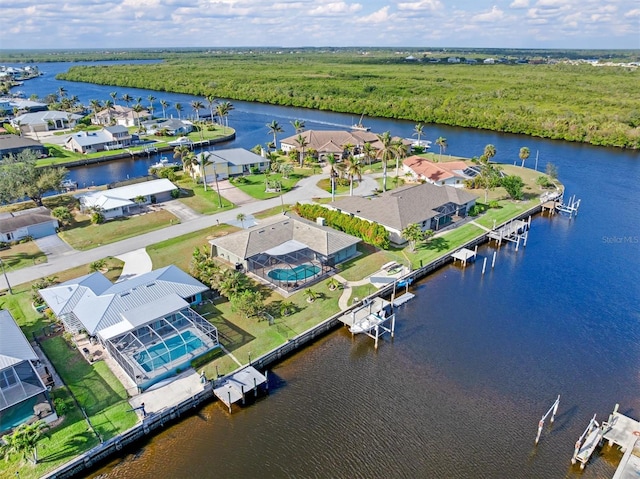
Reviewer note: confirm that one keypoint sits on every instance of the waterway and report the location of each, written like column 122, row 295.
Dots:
column 476, row 360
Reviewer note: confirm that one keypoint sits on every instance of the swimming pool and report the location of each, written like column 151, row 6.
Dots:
column 298, row 273
column 157, row 355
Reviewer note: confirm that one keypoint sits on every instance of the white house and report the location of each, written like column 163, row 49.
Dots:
column 121, row 201
column 231, row 162
column 172, row 126
column 34, row 222
column 109, row 138
column 45, row 121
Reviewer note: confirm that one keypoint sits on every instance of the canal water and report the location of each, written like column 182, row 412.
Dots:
column 476, row 359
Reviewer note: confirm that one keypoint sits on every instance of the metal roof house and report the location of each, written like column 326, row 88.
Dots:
column 34, row 222
column 45, row 121
column 287, row 252
column 231, row 162
column 121, row 201
column 431, row 207
column 145, row 323
column 113, row 137
column 23, row 395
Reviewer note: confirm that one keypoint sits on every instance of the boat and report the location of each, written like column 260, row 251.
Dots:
column 183, row 140
column 424, row 144
column 69, row 185
column 165, row 163
column 359, row 126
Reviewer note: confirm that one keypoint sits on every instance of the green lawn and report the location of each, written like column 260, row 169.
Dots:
column 341, row 187
column 83, row 235
column 254, row 185
column 22, row 255
column 368, row 262
column 506, row 211
column 178, row 251
column 204, row 202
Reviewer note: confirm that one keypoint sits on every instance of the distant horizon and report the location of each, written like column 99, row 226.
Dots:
column 148, row 24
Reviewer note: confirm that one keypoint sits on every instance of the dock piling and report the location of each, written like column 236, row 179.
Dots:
column 493, row 261
column 484, row 265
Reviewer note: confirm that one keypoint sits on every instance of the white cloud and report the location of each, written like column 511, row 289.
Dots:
column 424, row 5
column 493, row 15
column 335, row 8
column 519, row 4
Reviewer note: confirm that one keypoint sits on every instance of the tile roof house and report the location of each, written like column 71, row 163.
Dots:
column 282, row 243
column 45, row 121
column 109, row 138
column 449, row 173
column 121, row 201
column 14, row 144
column 34, row 222
column 145, row 323
column 331, row 141
column 23, row 395
column 431, row 207
column 120, row 115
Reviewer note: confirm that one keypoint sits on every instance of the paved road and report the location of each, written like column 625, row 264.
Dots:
column 304, row 191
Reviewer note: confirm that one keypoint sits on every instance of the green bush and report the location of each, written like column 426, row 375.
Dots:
column 493, row 204
column 204, row 359
column 175, row 193
column 60, row 406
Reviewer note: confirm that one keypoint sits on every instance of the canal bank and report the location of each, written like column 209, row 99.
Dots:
column 191, row 403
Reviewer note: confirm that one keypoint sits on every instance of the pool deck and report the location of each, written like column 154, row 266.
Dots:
column 168, row 393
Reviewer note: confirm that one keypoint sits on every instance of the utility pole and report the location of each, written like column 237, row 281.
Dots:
column 5, row 276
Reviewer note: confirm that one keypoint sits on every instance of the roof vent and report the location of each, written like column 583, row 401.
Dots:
column 125, row 294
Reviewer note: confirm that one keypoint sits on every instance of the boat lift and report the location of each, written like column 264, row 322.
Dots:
column 552, row 410
column 591, row 436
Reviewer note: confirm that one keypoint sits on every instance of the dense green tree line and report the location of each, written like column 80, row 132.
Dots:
column 569, row 102
column 371, row 233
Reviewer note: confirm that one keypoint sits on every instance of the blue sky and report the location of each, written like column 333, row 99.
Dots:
column 294, row 23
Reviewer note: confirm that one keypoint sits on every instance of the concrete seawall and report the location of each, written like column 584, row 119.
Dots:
column 114, row 446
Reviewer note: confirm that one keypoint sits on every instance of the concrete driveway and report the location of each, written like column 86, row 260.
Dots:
column 53, row 245
column 179, row 209
column 233, row 194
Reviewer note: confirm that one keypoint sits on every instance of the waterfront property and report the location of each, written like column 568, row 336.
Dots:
column 231, row 162
column 45, row 121
column 287, row 252
column 33, row 222
column 145, row 323
column 109, row 138
column 126, row 200
column 21, row 104
column 167, row 126
column 23, row 395
column 14, row 144
column 429, row 206
column 451, row 173
column 119, row 115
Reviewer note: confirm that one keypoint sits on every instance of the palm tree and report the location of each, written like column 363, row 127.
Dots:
column 108, row 105
column 188, row 160
column 24, row 440
column 442, row 143
column 311, row 295
column 241, row 217
column 333, row 173
column 399, row 153
column 369, row 152
column 62, row 92
column 417, row 131
column 211, row 100
column 298, row 125
column 274, row 129
column 489, row 176
column 151, row 99
column 524, row 154
column 204, row 160
column 385, row 154
column 138, row 108
column 353, row 169
column 180, row 152
column 489, row 152
column 223, row 110
column 179, row 109
column 114, row 96
column 196, row 106
column 95, row 106
column 164, row 104
column 302, row 143
column 413, row 233
column 126, row 98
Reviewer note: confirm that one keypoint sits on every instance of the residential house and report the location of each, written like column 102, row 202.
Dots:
column 34, row 222
column 144, row 323
column 450, row 173
column 14, row 144
column 45, row 121
column 24, row 396
column 431, row 207
column 126, row 200
column 172, row 126
column 288, row 252
column 109, row 138
column 231, row 162
column 8, row 104
column 120, row 115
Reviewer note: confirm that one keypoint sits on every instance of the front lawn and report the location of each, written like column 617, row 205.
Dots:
column 83, row 235
column 204, row 202
column 22, row 255
column 255, row 185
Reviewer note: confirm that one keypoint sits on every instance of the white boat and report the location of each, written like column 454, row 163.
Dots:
column 165, row 163
column 424, row 144
column 367, row 324
column 359, row 126
column 183, row 140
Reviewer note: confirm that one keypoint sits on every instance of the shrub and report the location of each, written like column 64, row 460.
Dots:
column 62, row 214
column 493, row 204
column 544, row 182
column 175, row 193
column 60, row 406
column 97, row 218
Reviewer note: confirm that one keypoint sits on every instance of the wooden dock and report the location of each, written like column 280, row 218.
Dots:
column 400, row 300
column 514, row 231
column 234, row 388
column 370, row 319
column 465, row 255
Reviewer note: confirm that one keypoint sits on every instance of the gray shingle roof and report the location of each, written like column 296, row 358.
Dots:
column 280, row 229
column 401, row 207
column 22, row 219
column 9, row 142
column 14, row 347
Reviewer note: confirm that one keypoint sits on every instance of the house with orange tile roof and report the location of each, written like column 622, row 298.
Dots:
column 451, row 173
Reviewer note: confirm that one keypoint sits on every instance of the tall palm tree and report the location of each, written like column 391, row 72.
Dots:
column 24, row 440
column 179, row 109
column 333, row 173
column 418, row 130
column 95, row 106
column 302, row 143
column 442, row 144
column 204, row 160
column 114, row 96
column 274, row 129
column 196, row 106
column 399, row 153
column 489, row 152
column 126, row 98
column 298, row 125
column 489, row 176
column 151, row 99
column 386, row 153
column 369, row 152
column 138, row 108
column 241, row 217
column 108, row 105
column 188, row 159
column 353, row 169
column 164, row 104
column 223, row 109
column 62, row 92
column 211, row 100
column 524, row 154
